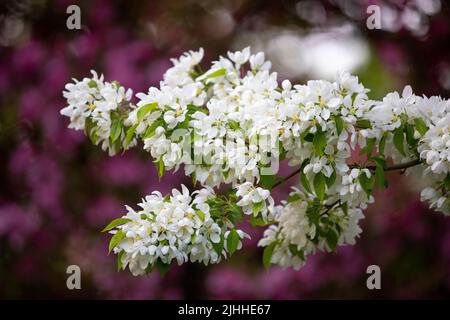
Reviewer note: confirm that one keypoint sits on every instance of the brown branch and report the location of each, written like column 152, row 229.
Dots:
column 398, row 166
column 283, row 180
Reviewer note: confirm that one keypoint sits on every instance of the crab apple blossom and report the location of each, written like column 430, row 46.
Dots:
column 228, row 128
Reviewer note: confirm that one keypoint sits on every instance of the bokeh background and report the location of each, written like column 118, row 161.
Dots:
column 57, row 190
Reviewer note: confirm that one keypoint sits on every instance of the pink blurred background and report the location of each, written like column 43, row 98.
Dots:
column 57, row 190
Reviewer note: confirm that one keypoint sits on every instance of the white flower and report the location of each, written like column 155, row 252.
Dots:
column 237, row 121
column 255, row 200
column 240, row 57
column 95, row 99
column 180, row 73
column 437, row 199
column 166, row 229
column 175, row 115
column 435, row 146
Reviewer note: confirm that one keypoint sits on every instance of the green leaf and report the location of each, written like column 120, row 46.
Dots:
column 339, row 124
column 303, row 178
column 200, row 214
column 149, row 269
column 447, row 182
column 308, row 137
column 115, row 223
column 319, row 141
column 332, row 239
column 116, row 130
column 233, row 241
column 218, row 247
column 268, row 181
column 331, row 179
column 293, row 197
column 217, row 73
column 369, row 146
column 162, row 267
column 379, row 175
column 379, row 160
column 150, row 131
column 319, row 185
column 409, row 131
column 366, row 183
column 267, row 254
column 363, row 124
column 257, row 207
column 115, row 240
column 234, row 125
column 235, row 213
column 421, row 126
column 145, row 109
column 382, row 144
column 89, row 127
column 119, row 260
column 259, row 221
column 294, row 251
column 116, row 146
column 161, row 168
column 130, row 135
column 399, row 138
column 344, row 207
column 313, row 212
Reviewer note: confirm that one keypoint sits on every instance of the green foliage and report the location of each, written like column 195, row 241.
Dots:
column 116, row 130
column 146, row 109
column 115, row 240
column 218, row 247
column 115, row 223
column 421, row 127
column 129, row 136
column 303, row 178
column 399, row 139
column 339, row 124
column 217, row 73
column 267, row 254
column 363, row 124
column 233, row 241
column 366, row 183
column 382, row 143
column 268, row 181
column 369, row 146
column 119, row 260
column 162, row 267
column 319, row 141
column 320, row 185
column 161, row 168
column 257, row 207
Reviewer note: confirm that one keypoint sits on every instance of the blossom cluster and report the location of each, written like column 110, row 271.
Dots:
column 178, row 227
column 301, row 229
column 232, row 124
column 96, row 106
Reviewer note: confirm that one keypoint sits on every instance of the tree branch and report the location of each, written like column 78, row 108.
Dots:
column 283, row 180
column 398, row 166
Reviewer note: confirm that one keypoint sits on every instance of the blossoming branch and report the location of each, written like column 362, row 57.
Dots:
column 231, row 125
